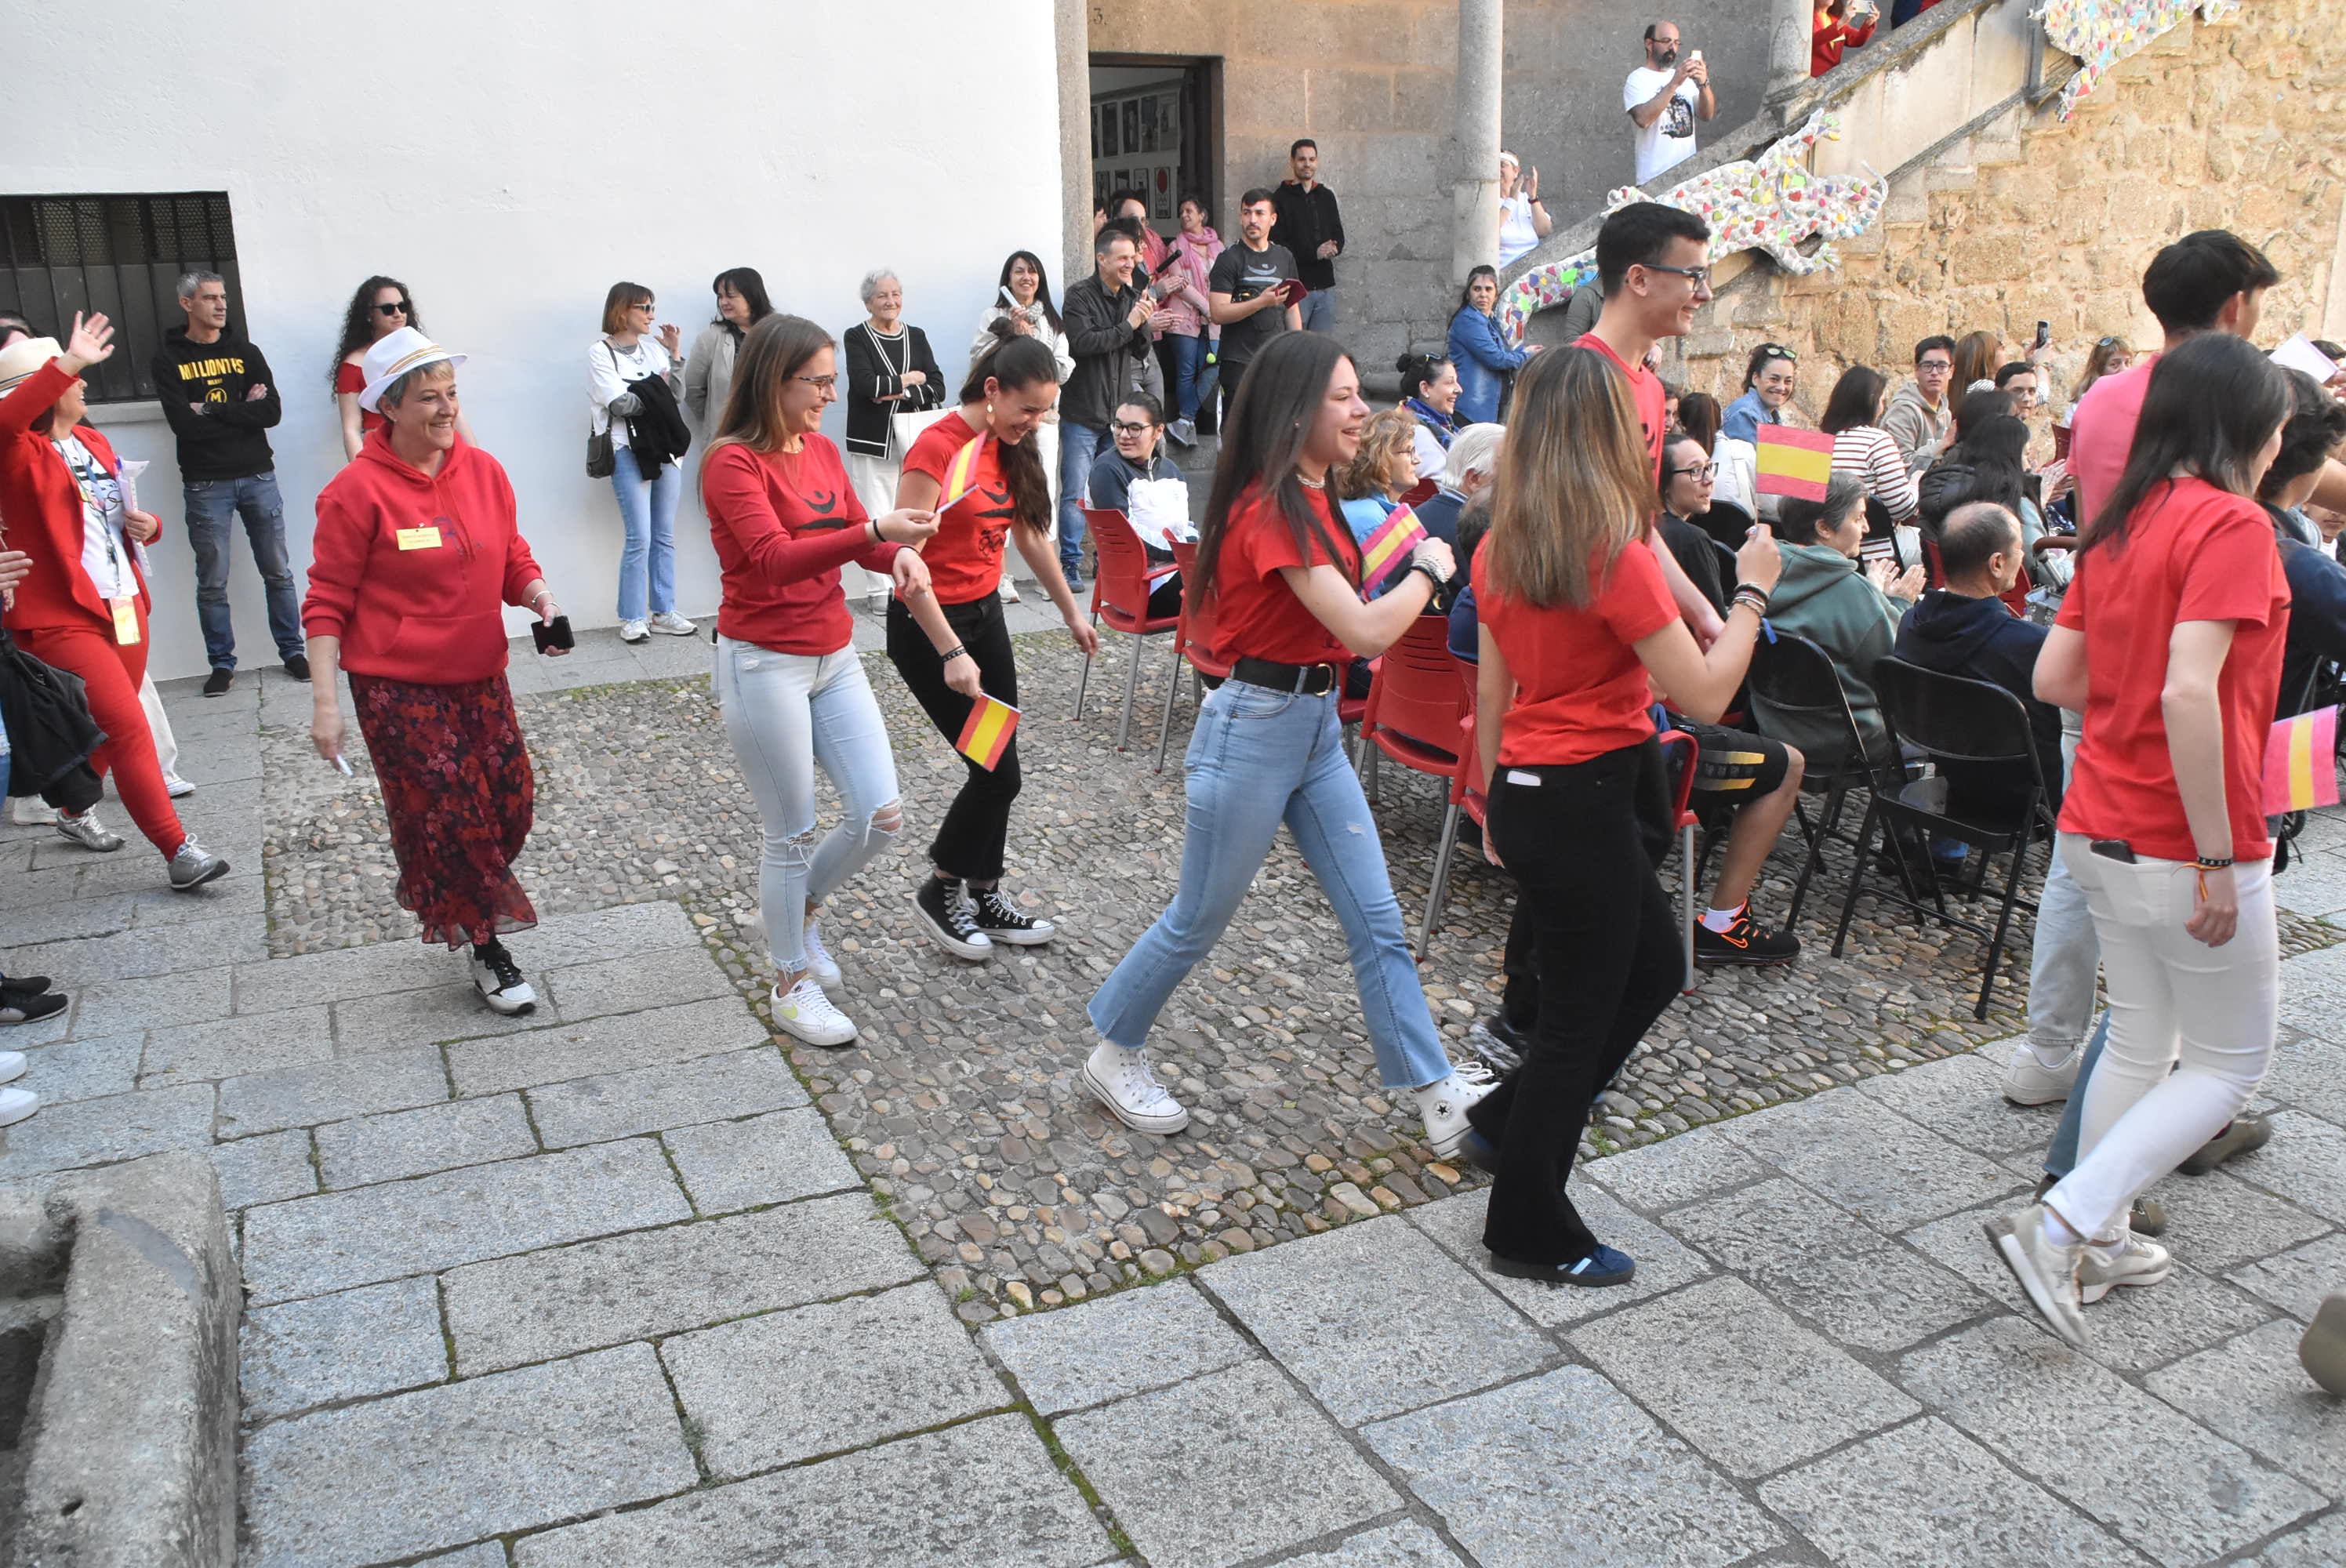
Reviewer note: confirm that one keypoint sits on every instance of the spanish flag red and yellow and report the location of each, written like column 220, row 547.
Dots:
column 2302, row 762
column 1388, row 549
column 988, row 734
column 961, row 476
column 1794, row 462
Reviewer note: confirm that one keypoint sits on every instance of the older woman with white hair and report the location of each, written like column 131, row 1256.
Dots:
column 890, row 373
column 418, row 550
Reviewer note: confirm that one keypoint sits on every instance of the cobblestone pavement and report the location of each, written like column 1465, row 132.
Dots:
column 603, row 1286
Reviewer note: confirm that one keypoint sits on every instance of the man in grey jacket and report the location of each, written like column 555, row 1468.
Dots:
column 1106, row 317
column 1921, row 415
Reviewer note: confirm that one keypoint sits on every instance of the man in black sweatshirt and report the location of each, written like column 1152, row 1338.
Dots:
column 221, row 401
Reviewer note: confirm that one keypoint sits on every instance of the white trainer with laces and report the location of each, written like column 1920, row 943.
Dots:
column 804, row 1011
column 177, row 788
column 11, row 1065
column 634, row 631
column 668, row 624
column 2129, row 1260
column 1444, row 1104
column 819, row 966
column 1123, row 1081
column 2030, row 1080
column 498, row 979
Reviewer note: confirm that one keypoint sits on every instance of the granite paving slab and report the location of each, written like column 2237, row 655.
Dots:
column 234, row 1047
column 2217, row 1222
column 165, row 1000
column 1120, row 1344
column 398, row 1020
column 551, row 1052
column 637, row 982
column 416, row 1142
column 2298, row 1280
column 2305, row 1162
column 1408, row 1544
column 2254, row 1391
column 2321, row 1545
column 771, row 1158
column 101, row 1132
column 1675, row 1171
column 72, row 1070
column 330, row 1090
column 353, row 1344
column 1961, row 1100
column 266, row 1169
column 1887, row 1170
column 1664, row 1262
column 649, row 1099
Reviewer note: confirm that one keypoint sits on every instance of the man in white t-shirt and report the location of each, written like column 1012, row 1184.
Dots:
column 1664, row 98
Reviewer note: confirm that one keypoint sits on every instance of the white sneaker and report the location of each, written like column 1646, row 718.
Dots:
column 820, row 966
column 31, row 812
column 16, row 1104
column 498, row 979
column 635, row 632
column 2047, row 1268
column 2030, row 1080
column 90, row 832
column 1009, row 590
column 804, row 1011
column 1444, row 1104
column 1123, row 1082
column 11, row 1065
column 2129, row 1260
column 668, row 624
column 177, row 787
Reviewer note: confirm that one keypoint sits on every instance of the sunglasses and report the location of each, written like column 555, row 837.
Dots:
column 397, row 307
column 2106, row 342
column 1776, row 351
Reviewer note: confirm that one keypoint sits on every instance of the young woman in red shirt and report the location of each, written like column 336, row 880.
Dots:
column 1279, row 577
column 953, row 644
column 1578, row 627
column 792, row 691
column 2170, row 641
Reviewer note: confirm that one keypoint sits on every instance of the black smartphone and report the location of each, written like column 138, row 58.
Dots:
column 2044, row 333
column 557, row 634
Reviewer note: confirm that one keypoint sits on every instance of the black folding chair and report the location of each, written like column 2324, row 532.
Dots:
column 1967, row 725
column 1793, row 677
column 1725, row 522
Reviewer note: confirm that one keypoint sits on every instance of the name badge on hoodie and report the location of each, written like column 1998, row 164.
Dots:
column 419, row 538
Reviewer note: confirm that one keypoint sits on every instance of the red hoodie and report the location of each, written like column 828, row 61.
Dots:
column 413, row 569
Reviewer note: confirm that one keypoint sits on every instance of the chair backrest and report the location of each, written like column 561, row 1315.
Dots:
column 1684, row 752
column 1418, row 691
column 1121, row 584
column 1795, row 676
column 1952, row 718
column 1465, row 788
column 1419, row 493
column 1725, row 522
column 1185, row 643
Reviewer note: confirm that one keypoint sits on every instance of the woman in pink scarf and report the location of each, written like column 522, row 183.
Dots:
column 1189, row 333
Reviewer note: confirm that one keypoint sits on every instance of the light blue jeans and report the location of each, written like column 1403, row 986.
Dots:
column 1319, row 310
column 1078, row 445
column 2068, row 954
column 787, row 713
column 648, row 511
column 1260, row 757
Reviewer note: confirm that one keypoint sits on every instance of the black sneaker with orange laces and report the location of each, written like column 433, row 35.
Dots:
column 1744, row 942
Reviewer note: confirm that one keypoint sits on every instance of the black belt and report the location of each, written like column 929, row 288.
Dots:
column 1310, row 680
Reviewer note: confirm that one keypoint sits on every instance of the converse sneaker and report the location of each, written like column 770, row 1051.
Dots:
column 943, row 908
column 1123, row 1082
column 16, row 1104
column 2047, row 1268
column 2030, row 1080
column 804, row 1011
column 1443, row 1105
column 819, row 964
column 90, row 832
column 668, row 624
column 25, row 1007
column 11, row 1065
column 1746, row 941
column 194, row 866
column 1003, row 923
column 2129, row 1260
column 498, row 979
column 177, row 787
column 634, row 631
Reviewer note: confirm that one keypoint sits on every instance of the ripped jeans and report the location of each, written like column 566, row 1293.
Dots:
column 786, row 714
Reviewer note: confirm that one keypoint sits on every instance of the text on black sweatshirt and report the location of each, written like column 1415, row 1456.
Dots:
column 228, row 439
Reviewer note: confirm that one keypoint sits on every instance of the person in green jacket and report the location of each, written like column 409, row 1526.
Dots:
column 1851, row 614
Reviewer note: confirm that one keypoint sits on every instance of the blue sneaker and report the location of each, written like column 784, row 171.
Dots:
column 1600, row 1269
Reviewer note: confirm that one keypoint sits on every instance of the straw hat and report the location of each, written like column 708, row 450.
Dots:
column 392, row 356
column 23, row 357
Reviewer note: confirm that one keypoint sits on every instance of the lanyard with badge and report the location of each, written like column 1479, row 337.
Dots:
column 102, row 496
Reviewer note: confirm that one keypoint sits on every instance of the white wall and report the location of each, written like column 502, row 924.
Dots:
column 513, row 162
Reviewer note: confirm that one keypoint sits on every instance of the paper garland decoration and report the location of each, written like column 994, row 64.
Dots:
column 1794, row 462
column 987, row 735
column 1388, row 548
column 2302, row 762
column 2101, row 33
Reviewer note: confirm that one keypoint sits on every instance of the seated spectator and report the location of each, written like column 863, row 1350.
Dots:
column 2316, row 643
column 1768, row 380
column 1688, row 474
column 1473, row 524
column 1852, row 615
column 1698, row 416
column 1953, row 479
column 1966, row 629
column 1138, row 426
column 1473, row 457
column 1382, row 472
column 1428, row 394
column 1862, row 447
column 1840, row 25
column 1977, row 356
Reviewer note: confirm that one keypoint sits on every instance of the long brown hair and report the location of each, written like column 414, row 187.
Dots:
column 1014, row 361
column 1262, row 439
column 1575, row 480
column 771, row 352
column 1388, row 432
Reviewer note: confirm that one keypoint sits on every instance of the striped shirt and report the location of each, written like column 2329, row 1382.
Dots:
column 1868, row 451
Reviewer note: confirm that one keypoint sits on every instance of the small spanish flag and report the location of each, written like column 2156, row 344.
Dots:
column 988, row 734
column 961, row 477
column 1794, row 462
column 1388, row 549
column 2302, row 762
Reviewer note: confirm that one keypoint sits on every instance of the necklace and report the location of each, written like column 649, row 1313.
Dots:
column 1310, row 483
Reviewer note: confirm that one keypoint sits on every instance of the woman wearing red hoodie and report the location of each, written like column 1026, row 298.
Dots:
column 84, row 606
column 418, row 550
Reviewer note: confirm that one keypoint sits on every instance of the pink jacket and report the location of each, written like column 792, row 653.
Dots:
column 1185, row 311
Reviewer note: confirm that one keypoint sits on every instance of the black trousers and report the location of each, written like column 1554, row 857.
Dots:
column 1605, row 949
column 970, row 839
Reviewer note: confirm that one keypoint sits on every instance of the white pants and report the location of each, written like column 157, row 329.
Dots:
column 2208, row 1013
column 166, row 747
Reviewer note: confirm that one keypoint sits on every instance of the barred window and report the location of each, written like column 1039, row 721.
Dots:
column 119, row 255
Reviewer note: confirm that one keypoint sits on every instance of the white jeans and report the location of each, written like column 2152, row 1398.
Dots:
column 2209, row 1013
column 786, row 714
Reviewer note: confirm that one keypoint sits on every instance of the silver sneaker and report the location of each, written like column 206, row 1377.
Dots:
column 668, row 624
column 634, row 631
column 2129, row 1260
column 90, row 832
column 2047, row 1270
column 194, row 866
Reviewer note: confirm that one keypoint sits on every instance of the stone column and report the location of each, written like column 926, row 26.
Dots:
column 1790, row 25
column 1474, row 193
column 1072, row 37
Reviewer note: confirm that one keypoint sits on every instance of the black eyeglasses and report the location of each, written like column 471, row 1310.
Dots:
column 397, row 307
column 1128, row 427
column 1707, row 471
column 1939, row 366
column 1700, row 276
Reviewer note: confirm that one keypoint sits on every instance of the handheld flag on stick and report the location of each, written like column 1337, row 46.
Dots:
column 986, row 736
column 961, row 476
column 1794, row 462
column 2302, row 762
column 1388, row 549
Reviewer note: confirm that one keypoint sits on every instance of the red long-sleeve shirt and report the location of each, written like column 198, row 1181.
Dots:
column 41, row 510
column 1831, row 36
column 784, row 523
column 413, row 570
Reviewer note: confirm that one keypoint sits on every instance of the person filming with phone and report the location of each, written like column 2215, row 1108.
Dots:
column 418, row 550
column 1663, row 98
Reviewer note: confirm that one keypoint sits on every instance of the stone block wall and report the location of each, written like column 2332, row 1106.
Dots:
column 2240, row 127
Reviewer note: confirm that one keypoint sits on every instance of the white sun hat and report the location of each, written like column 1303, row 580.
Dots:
column 394, row 354
column 20, row 359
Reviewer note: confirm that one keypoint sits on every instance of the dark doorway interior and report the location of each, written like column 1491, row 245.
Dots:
column 1156, row 132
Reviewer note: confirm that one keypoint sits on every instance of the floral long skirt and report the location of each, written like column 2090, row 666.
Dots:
column 457, row 788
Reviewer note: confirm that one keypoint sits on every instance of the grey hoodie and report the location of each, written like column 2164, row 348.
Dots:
column 1915, row 426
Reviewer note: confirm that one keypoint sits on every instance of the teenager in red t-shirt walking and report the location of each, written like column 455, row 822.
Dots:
column 1577, row 623
column 953, row 644
column 2170, row 642
column 785, row 519
column 1280, row 579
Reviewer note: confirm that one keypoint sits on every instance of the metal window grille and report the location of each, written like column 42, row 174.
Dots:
column 118, row 255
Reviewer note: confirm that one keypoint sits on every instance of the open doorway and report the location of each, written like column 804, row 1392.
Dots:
column 1156, row 132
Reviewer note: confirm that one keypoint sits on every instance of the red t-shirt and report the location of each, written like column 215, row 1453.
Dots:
column 965, row 557
column 349, row 378
column 783, row 524
column 1254, row 614
column 2192, row 553
column 1646, row 391
column 1580, row 689
column 2101, row 433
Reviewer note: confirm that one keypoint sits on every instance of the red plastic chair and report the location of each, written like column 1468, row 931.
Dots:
column 1680, row 794
column 1121, row 584
column 1466, row 798
column 1185, row 560
column 1415, row 692
column 1419, row 493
